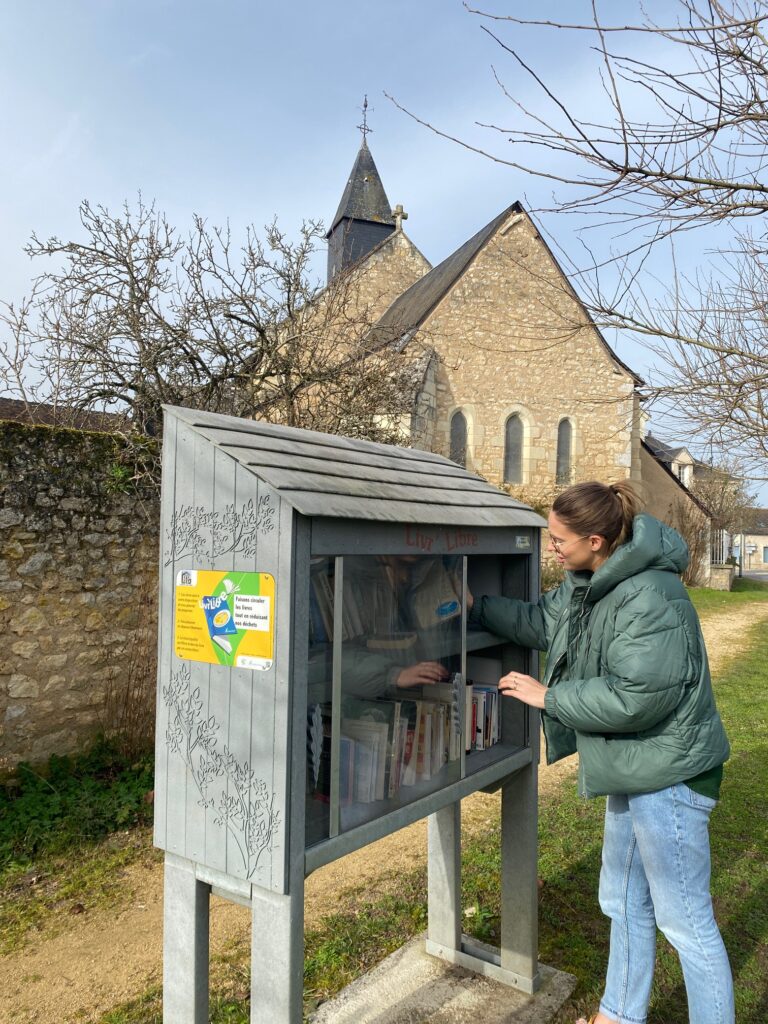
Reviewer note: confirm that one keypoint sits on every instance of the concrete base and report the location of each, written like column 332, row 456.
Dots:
column 411, row 987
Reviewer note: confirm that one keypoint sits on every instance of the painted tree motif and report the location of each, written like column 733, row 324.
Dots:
column 244, row 806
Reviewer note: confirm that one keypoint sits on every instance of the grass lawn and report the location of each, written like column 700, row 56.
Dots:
column 745, row 591
column 573, row 932
column 65, row 835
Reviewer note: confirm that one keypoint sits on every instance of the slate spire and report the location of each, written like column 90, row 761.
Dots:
column 364, row 216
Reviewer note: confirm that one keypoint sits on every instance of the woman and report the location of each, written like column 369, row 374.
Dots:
column 627, row 685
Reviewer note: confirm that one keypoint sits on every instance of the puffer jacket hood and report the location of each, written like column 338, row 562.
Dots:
column 653, row 545
column 627, row 673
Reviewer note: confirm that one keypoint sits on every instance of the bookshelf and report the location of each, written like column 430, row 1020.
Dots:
column 313, row 688
column 395, row 741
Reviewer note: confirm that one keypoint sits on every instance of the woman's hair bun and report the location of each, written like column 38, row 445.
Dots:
column 604, row 509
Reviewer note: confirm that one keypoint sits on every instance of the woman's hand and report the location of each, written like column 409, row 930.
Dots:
column 424, row 673
column 524, row 688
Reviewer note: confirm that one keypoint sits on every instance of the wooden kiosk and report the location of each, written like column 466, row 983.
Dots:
column 319, row 687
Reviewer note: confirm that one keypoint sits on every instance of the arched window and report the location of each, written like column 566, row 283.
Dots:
column 564, row 469
column 513, row 450
column 459, row 438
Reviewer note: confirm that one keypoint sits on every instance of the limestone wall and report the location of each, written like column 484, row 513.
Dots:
column 755, row 550
column 721, row 577
column 387, row 272
column 514, row 339
column 667, row 500
column 78, row 545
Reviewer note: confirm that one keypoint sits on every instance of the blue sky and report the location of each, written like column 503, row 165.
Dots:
column 248, row 110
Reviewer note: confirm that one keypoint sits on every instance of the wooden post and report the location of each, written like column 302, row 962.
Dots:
column 519, row 889
column 444, row 877
column 185, row 944
column 277, row 956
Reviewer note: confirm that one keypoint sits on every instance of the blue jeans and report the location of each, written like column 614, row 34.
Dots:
column 656, row 870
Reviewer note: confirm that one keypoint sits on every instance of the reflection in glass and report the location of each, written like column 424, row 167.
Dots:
column 398, row 720
column 400, row 695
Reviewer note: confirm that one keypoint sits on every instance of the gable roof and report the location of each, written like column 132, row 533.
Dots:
column 663, row 451
column 668, row 470
column 364, row 197
column 757, row 522
column 341, row 477
column 390, row 239
column 410, row 310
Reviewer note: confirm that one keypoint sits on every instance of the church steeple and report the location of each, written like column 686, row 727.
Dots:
column 364, row 216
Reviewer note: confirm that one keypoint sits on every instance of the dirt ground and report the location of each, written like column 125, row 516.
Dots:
column 108, row 957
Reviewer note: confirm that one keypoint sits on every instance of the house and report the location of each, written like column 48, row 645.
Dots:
column 751, row 547
column 515, row 381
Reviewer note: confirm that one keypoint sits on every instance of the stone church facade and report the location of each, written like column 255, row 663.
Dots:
column 518, row 383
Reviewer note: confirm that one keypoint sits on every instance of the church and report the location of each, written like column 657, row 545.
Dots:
column 515, row 381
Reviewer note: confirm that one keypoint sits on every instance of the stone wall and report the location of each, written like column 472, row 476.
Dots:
column 666, row 499
column 78, row 550
column 513, row 338
column 755, row 547
column 388, row 271
column 721, row 577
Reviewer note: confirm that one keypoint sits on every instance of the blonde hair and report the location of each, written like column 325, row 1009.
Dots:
column 603, row 509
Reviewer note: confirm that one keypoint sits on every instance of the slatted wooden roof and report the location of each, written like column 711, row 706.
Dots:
column 340, row 477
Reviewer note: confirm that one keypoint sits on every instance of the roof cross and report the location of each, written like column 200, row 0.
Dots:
column 364, row 126
column 400, row 215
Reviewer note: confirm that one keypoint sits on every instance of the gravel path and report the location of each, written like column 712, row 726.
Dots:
column 108, row 957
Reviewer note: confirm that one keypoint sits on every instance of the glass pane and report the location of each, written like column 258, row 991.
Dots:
column 459, row 439
column 400, row 700
column 320, row 676
column 495, row 725
column 513, row 451
column 563, row 471
column 400, row 733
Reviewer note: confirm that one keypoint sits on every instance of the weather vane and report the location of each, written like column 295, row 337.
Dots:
column 364, row 126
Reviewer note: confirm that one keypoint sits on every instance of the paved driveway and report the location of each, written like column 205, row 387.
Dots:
column 758, row 574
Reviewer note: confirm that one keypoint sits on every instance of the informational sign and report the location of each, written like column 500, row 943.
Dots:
column 225, row 618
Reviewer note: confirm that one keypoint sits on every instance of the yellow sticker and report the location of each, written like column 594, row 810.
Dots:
column 225, row 618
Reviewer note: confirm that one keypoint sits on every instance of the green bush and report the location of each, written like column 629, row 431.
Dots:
column 72, row 801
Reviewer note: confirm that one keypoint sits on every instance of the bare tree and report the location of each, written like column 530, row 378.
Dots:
column 693, row 525
column 676, row 140
column 726, row 495
column 133, row 316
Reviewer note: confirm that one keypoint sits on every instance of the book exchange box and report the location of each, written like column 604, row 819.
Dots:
column 318, row 683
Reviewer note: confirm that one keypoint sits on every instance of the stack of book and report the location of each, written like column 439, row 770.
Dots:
column 385, row 744
column 388, row 745
column 481, row 725
column 321, row 586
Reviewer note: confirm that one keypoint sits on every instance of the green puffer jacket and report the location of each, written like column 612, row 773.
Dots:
column 628, row 678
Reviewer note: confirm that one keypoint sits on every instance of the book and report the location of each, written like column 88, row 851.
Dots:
column 393, row 753
column 470, row 711
column 347, row 754
column 373, row 736
column 424, row 746
column 478, row 699
column 449, row 694
column 318, row 634
column 412, row 709
column 363, row 781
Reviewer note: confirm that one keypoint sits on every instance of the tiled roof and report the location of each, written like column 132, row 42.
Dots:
column 364, row 197
column 343, row 478
column 410, row 309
